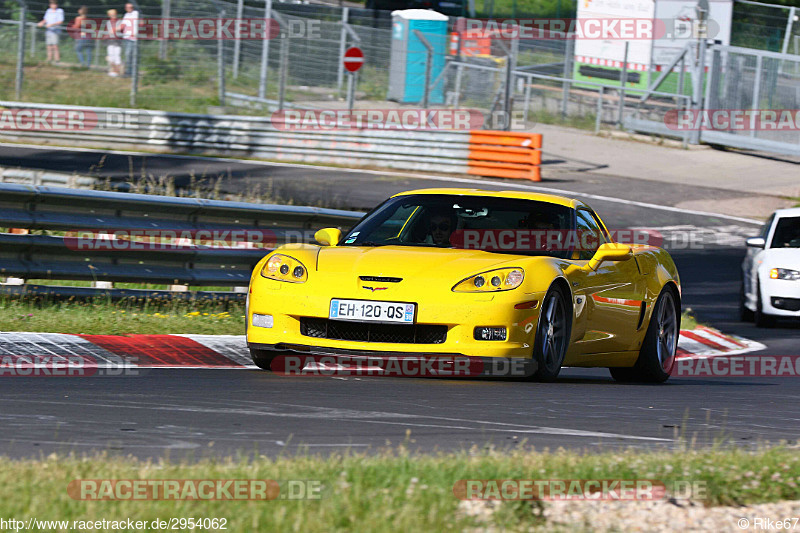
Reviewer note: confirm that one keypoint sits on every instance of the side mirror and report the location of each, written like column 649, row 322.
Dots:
column 756, row 242
column 328, row 236
column 610, row 251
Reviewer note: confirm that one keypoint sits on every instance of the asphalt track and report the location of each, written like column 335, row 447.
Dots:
column 200, row 412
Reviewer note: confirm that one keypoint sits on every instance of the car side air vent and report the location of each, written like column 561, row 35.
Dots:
column 380, row 279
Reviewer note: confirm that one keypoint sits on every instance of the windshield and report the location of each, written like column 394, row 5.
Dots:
column 473, row 222
column 787, row 233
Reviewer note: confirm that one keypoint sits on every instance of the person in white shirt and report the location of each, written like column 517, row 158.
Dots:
column 129, row 28
column 53, row 19
column 114, row 55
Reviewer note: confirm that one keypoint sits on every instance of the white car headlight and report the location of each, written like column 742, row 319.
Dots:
column 784, row 273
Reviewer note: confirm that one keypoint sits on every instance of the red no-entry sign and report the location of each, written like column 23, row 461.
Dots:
column 353, row 59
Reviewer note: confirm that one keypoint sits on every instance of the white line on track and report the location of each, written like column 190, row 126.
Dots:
column 452, row 179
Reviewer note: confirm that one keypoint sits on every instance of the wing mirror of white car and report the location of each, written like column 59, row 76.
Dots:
column 610, row 251
column 328, row 236
column 756, row 242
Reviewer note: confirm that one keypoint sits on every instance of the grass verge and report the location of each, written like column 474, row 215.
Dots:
column 101, row 317
column 391, row 491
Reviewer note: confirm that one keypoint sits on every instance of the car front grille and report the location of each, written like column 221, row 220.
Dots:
column 323, row 328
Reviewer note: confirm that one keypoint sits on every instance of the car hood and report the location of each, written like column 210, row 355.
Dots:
column 410, row 262
column 782, row 258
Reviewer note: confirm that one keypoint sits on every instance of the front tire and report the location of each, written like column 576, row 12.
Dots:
column 657, row 354
column 745, row 314
column 763, row 320
column 262, row 358
column 552, row 336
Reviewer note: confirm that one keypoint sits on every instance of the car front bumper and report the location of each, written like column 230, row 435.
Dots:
column 290, row 304
column 780, row 297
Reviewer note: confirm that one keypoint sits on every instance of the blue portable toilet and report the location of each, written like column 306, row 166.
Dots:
column 409, row 55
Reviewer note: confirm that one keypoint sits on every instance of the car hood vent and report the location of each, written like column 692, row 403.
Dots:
column 380, row 279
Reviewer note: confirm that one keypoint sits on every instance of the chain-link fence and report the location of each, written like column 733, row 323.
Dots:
column 752, row 80
column 301, row 66
column 765, row 26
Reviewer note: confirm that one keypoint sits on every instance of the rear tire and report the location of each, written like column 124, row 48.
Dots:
column 657, row 354
column 262, row 358
column 552, row 336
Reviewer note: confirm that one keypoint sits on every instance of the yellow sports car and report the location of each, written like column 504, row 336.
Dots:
column 463, row 272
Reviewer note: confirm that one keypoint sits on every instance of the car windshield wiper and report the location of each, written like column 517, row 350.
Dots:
column 369, row 243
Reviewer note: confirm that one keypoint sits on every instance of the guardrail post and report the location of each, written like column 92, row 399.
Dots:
column 428, row 64
column 508, row 97
column 756, row 94
column 697, row 86
column 624, row 80
column 459, row 73
column 283, row 71
column 33, row 41
column 135, row 71
column 568, row 58
column 23, row 8
column 221, row 60
column 262, row 77
column 527, row 101
column 162, row 44
column 237, row 43
column 96, row 57
column 598, row 118
column 342, row 48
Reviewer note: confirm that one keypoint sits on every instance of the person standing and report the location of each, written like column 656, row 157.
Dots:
column 52, row 21
column 114, row 51
column 130, row 22
column 83, row 44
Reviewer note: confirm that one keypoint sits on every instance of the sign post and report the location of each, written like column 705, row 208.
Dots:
column 352, row 61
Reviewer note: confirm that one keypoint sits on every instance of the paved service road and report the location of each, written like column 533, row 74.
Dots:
column 184, row 411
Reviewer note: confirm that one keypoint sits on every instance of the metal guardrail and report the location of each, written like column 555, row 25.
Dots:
column 62, row 209
column 258, row 137
column 43, row 177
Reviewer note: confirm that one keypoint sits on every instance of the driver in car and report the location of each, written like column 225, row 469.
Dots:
column 441, row 227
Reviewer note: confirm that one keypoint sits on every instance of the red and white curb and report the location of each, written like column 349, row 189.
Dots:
column 703, row 342
column 141, row 351
column 230, row 351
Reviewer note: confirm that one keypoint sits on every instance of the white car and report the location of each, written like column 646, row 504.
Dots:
column 771, row 270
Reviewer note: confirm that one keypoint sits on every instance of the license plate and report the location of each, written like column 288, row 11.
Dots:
column 371, row 311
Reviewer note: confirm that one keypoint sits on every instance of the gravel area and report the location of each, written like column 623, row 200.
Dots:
column 650, row 516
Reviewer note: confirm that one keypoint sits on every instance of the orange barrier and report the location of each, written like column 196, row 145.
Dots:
column 503, row 154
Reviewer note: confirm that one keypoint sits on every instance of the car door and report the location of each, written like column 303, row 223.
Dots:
column 608, row 301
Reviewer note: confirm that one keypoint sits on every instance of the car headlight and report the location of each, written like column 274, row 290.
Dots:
column 502, row 279
column 284, row 268
column 784, row 273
